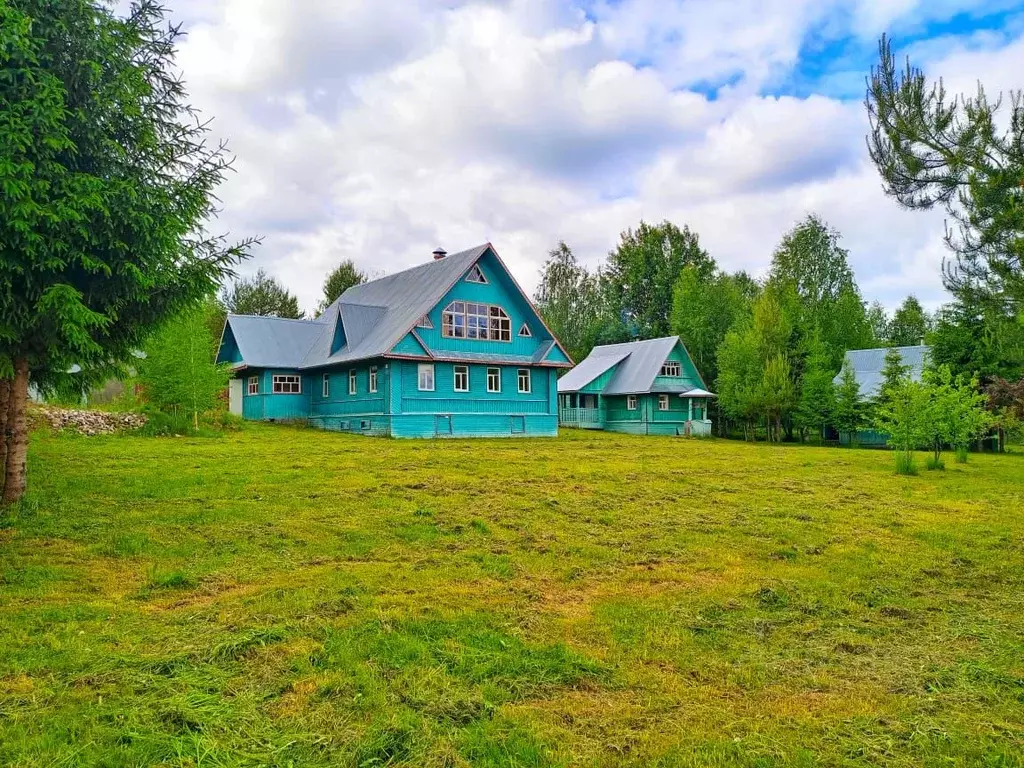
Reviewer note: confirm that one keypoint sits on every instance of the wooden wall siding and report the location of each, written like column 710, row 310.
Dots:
column 444, row 398
column 409, row 346
column 229, row 352
column 339, row 402
column 690, row 377
column 266, row 406
column 597, row 385
column 500, row 291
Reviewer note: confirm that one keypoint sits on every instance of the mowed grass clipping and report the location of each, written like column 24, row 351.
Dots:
column 287, row 597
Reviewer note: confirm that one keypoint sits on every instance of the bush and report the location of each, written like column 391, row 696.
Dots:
column 162, row 424
column 961, row 454
column 935, row 462
column 905, row 463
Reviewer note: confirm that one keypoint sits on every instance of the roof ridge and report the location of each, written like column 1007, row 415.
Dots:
column 275, row 317
column 421, row 265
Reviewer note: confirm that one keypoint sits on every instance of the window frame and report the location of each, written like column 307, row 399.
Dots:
column 496, row 371
column 672, row 365
column 373, row 380
column 421, row 369
column 663, row 403
column 353, row 381
column 632, row 401
column 325, row 391
column 476, row 321
column 425, row 322
column 282, row 379
column 253, row 387
column 474, row 271
column 525, row 331
column 457, row 371
column 529, row 381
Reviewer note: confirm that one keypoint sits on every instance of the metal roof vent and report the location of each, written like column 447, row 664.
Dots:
column 439, row 254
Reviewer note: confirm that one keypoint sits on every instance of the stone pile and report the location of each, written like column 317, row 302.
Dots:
column 87, row 422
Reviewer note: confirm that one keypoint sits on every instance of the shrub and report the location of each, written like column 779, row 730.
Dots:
column 905, row 464
column 935, row 462
column 961, row 454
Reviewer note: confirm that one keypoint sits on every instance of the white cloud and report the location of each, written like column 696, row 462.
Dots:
column 378, row 129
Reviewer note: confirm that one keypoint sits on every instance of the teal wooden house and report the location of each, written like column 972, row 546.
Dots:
column 451, row 348
column 642, row 387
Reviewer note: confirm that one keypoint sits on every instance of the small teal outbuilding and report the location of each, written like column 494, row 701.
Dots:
column 451, row 348
column 648, row 387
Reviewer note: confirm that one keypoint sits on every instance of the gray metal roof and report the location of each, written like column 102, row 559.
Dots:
column 273, row 342
column 375, row 316
column 867, row 365
column 638, row 363
column 589, row 369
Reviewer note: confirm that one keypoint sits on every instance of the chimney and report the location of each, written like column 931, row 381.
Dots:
column 439, row 254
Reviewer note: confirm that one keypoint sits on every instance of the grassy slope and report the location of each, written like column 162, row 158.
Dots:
column 288, row 597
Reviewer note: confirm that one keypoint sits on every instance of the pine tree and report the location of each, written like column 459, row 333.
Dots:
column 342, row 277
column 817, row 394
column 849, row 415
column 107, row 185
column 894, row 373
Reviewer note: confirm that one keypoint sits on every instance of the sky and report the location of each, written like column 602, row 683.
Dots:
column 378, row 130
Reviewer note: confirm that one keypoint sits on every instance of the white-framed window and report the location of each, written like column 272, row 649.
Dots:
column 630, row 402
column 426, row 377
column 327, row 386
column 461, row 383
column 353, row 382
column 287, row 385
column 476, row 275
column 524, row 381
column 662, row 402
column 494, row 379
column 373, row 378
column 254, row 385
column 472, row 320
column 671, row 368
column 424, row 322
column 525, row 331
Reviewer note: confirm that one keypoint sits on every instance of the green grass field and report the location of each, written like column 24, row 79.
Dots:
column 285, row 597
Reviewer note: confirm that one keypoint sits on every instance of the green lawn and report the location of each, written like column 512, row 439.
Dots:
column 285, row 597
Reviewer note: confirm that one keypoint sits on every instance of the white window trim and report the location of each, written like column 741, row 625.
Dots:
column 456, row 370
column 525, row 331
column 421, row 369
column 663, row 404
column 254, row 385
column 529, row 381
column 326, row 392
column 283, row 379
column 425, row 322
column 353, row 382
column 373, row 379
column 497, row 378
column 448, row 328
column 475, row 270
column 674, row 365
column 631, row 402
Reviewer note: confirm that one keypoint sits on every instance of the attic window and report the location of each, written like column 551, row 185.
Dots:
column 476, row 275
column 671, row 368
column 424, row 322
column 525, row 331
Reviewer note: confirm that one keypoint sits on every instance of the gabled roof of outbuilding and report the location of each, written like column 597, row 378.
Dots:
column 867, row 365
column 638, row 364
column 375, row 317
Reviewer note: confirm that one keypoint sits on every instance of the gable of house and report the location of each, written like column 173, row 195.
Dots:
column 633, row 368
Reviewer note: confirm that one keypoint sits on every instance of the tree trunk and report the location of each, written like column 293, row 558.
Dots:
column 5, row 402
column 17, row 434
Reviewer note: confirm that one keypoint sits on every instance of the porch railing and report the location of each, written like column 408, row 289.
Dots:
column 587, row 418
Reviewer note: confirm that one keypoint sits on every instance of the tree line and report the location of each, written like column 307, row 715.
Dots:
column 770, row 347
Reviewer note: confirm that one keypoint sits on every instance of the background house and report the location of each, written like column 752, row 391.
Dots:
column 452, row 347
column 644, row 387
column 867, row 366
